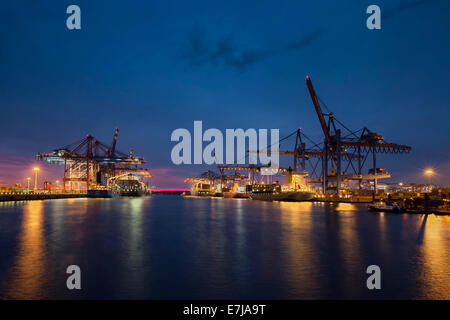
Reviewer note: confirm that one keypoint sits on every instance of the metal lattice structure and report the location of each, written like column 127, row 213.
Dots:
column 345, row 152
column 92, row 162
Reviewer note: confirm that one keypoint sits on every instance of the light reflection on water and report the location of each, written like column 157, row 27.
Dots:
column 174, row 247
column 27, row 272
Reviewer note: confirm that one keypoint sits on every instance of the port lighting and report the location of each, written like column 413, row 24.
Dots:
column 429, row 173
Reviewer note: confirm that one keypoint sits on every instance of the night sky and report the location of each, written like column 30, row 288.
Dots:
column 149, row 67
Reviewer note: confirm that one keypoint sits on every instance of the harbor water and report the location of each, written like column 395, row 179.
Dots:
column 171, row 247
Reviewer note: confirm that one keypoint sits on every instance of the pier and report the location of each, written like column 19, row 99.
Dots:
column 40, row 196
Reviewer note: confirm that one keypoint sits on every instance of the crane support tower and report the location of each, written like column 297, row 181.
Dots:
column 93, row 163
column 345, row 152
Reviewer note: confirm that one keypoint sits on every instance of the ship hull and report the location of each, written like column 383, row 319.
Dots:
column 100, row 194
column 238, row 195
column 139, row 193
column 283, row 196
column 384, row 208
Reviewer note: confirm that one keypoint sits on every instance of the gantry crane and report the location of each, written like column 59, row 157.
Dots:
column 92, row 162
column 354, row 146
column 342, row 157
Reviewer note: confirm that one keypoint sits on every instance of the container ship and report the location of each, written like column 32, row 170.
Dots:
column 275, row 192
column 131, row 188
column 295, row 189
column 201, row 189
column 128, row 187
column 205, row 185
column 235, row 191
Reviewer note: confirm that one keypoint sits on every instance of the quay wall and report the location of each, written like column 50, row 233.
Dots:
column 38, row 196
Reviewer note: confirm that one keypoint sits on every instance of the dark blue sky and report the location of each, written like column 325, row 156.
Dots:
column 150, row 67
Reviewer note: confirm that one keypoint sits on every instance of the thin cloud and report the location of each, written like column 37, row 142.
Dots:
column 387, row 14
column 225, row 51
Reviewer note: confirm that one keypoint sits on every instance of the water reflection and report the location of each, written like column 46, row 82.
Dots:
column 435, row 251
column 175, row 247
column 135, row 249
column 299, row 254
column 349, row 243
column 422, row 230
column 25, row 279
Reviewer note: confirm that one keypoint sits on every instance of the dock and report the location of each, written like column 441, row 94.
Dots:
column 39, row 196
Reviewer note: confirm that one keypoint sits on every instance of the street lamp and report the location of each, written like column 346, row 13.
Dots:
column 28, row 183
column 36, row 169
column 429, row 173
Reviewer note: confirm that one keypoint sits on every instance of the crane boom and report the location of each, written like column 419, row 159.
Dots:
column 315, row 100
column 113, row 147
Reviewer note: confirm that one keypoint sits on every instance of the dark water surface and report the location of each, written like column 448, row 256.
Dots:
column 170, row 247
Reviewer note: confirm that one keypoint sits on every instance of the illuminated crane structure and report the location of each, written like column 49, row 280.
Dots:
column 208, row 176
column 343, row 154
column 93, row 163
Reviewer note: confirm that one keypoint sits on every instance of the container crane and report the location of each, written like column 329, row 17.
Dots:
column 355, row 146
column 92, row 162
